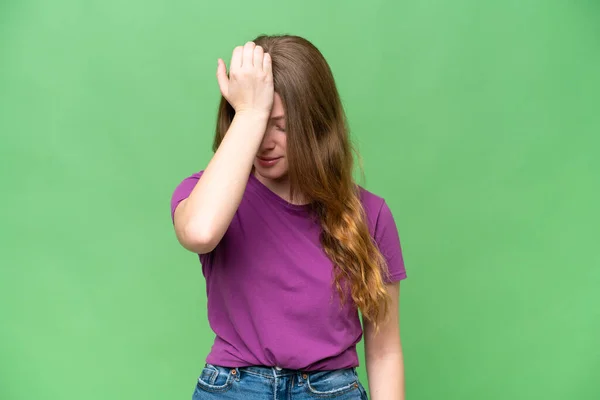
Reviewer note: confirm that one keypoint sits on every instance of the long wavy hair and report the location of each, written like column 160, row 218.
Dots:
column 320, row 159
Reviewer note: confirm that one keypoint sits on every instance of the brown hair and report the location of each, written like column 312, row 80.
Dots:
column 320, row 163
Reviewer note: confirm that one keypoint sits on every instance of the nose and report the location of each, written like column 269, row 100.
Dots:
column 267, row 143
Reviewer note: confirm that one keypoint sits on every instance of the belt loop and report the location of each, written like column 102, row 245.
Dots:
column 300, row 377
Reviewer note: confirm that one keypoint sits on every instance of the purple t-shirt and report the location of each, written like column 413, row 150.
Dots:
column 271, row 301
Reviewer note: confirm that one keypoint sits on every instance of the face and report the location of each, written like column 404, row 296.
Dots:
column 271, row 163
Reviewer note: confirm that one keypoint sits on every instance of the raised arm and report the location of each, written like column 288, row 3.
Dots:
column 202, row 219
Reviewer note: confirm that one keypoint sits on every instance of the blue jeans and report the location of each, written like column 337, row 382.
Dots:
column 267, row 383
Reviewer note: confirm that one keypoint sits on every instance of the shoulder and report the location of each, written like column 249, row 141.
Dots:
column 182, row 190
column 195, row 175
column 369, row 199
column 374, row 205
column 384, row 231
column 185, row 186
column 187, row 182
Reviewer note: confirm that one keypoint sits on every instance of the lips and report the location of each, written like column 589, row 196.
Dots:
column 268, row 158
column 268, row 162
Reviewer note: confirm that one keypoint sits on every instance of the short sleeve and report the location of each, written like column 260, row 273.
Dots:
column 182, row 191
column 387, row 238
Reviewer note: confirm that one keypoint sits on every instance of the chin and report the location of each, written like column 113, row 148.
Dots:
column 274, row 174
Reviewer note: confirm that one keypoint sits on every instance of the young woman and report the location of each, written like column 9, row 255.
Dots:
column 291, row 247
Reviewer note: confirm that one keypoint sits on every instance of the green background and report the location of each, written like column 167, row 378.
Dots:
column 478, row 121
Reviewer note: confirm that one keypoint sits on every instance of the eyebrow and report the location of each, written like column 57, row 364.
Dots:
column 278, row 117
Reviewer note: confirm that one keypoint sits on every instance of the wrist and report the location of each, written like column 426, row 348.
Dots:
column 255, row 115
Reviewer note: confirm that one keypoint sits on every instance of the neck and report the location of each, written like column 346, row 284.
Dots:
column 281, row 187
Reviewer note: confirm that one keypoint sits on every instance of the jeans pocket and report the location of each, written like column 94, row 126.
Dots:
column 215, row 379
column 327, row 384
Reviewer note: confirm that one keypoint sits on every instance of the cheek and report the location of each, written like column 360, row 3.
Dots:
column 282, row 169
column 283, row 143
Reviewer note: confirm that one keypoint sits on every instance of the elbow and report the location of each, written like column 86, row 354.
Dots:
column 198, row 241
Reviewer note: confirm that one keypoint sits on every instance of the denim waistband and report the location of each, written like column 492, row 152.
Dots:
column 270, row 372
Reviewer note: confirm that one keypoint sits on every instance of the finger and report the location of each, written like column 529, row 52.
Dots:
column 236, row 58
column 248, row 57
column 222, row 78
column 268, row 65
column 258, row 57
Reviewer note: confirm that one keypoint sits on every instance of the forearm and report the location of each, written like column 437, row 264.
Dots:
column 209, row 209
column 386, row 376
